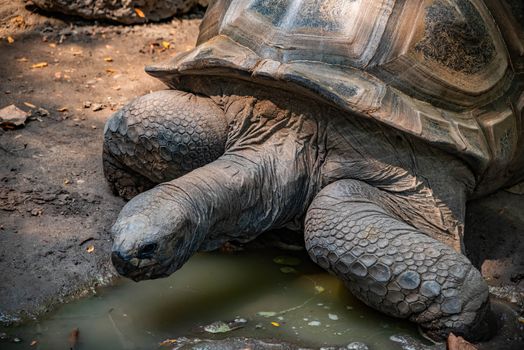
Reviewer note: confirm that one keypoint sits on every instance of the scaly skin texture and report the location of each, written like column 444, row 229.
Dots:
column 160, row 137
column 379, row 203
column 390, row 265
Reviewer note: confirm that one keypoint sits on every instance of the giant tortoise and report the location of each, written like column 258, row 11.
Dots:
column 366, row 124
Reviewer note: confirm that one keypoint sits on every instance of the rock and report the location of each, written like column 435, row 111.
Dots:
column 12, row 117
column 458, row 343
column 357, row 346
column 125, row 11
column 97, row 107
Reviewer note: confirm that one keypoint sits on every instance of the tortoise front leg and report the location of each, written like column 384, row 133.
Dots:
column 159, row 137
column 392, row 266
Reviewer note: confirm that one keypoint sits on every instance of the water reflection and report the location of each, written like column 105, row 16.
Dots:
column 305, row 306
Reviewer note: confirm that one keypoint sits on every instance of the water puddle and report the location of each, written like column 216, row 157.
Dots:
column 301, row 304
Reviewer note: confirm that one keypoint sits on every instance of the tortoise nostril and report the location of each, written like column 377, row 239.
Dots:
column 147, row 251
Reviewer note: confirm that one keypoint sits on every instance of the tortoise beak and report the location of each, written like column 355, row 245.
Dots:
column 137, row 269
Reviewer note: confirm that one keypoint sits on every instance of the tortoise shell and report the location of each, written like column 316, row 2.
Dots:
column 448, row 71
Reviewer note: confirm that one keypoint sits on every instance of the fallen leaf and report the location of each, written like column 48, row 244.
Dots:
column 319, row 289
column 108, row 59
column 62, row 109
column 39, row 65
column 30, row 105
column 217, row 327
column 139, row 13
column 287, row 269
column 167, row 342
column 33, row 343
column 22, row 59
column 90, row 248
column 287, row 260
column 10, row 39
column 166, row 44
column 110, row 70
column 275, row 324
column 73, row 338
column 37, row 212
column 67, row 182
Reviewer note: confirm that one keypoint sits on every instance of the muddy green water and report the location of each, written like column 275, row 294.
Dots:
column 310, row 307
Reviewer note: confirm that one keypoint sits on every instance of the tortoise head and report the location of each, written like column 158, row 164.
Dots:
column 151, row 237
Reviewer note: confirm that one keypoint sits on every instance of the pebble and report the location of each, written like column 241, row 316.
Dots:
column 97, row 107
column 333, row 317
column 357, row 346
column 314, row 323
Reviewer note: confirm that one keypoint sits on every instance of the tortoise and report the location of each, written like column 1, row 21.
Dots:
column 366, row 124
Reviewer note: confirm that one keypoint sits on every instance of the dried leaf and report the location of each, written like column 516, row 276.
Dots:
column 73, row 338
column 166, row 44
column 217, row 327
column 30, row 105
column 275, row 324
column 319, row 289
column 139, row 13
column 10, row 39
column 287, row 260
column 288, row 269
column 40, row 65
column 108, row 59
column 110, row 70
column 22, row 59
column 167, row 342
column 33, row 343
column 90, row 248
column 62, row 109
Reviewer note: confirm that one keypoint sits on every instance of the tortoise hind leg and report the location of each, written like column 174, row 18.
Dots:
column 159, row 137
column 391, row 266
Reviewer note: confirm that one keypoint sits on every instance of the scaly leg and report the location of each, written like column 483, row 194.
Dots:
column 391, row 266
column 159, row 137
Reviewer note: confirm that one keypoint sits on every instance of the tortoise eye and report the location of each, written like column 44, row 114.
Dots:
column 147, row 251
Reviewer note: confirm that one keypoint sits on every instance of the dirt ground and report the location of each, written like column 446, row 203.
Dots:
column 55, row 206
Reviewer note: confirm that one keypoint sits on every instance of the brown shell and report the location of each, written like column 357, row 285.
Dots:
column 448, row 71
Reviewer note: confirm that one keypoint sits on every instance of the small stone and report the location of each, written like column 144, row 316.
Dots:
column 314, row 323
column 12, row 117
column 333, row 317
column 357, row 346
column 97, row 107
column 87, row 104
